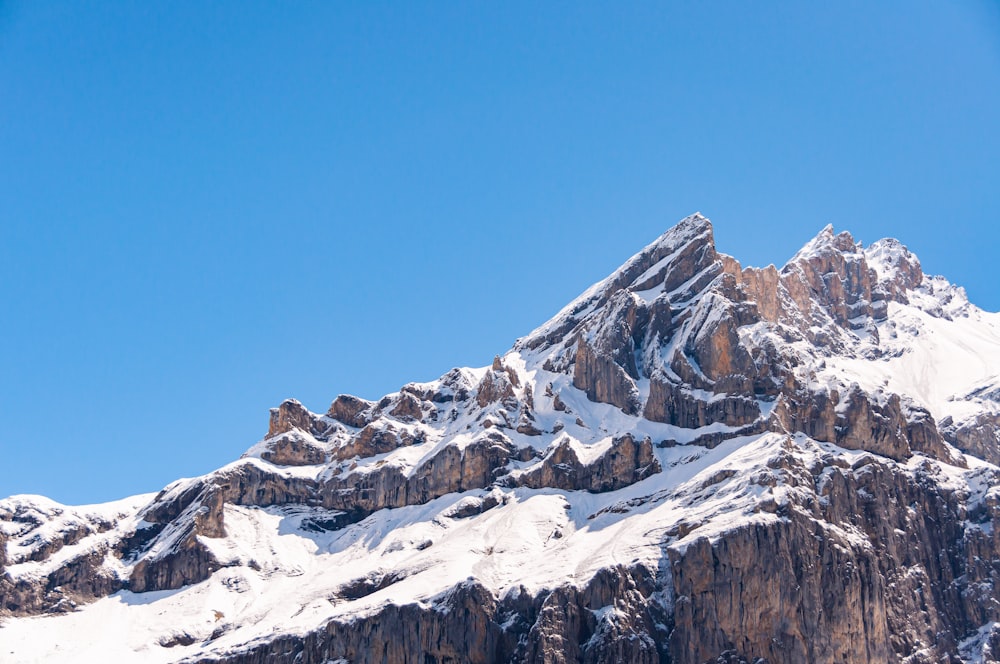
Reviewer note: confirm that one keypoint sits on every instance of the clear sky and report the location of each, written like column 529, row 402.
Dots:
column 206, row 208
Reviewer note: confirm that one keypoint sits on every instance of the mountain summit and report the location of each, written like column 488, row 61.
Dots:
column 692, row 462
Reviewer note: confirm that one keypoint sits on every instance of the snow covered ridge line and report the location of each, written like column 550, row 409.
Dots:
column 692, row 461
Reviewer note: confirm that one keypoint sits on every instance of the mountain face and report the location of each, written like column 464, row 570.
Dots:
column 692, row 462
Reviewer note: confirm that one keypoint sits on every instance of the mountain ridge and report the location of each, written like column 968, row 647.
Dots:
column 684, row 419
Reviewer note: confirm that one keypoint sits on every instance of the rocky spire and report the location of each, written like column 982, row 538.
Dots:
column 779, row 493
column 897, row 268
column 826, row 243
column 671, row 261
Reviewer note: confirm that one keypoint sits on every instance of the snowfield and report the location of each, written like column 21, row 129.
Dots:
column 292, row 568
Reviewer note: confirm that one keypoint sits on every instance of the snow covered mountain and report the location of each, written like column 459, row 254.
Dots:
column 692, row 462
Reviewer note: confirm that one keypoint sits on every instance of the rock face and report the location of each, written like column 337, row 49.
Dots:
column 469, row 624
column 350, row 410
column 186, row 563
column 294, row 449
column 603, row 379
column 980, row 437
column 693, row 462
column 899, row 594
column 292, row 415
column 624, row 462
column 673, row 404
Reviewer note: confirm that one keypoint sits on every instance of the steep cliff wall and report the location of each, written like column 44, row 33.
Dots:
column 693, row 462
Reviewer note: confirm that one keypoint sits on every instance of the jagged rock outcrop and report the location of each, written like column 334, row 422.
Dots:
column 451, row 470
column 294, row 449
column 616, row 617
column 291, row 415
column 674, row 404
column 979, row 437
column 187, row 562
column 78, row 582
column 407, row 408
column 899, row 266
column 624, row 462
column 892, row 544
column 375, row 438
column 694, row 462
column 603, row 379
column 496, row 386
column 350, row 410
column 851, row 420
column 831, row 273
column 879, row 553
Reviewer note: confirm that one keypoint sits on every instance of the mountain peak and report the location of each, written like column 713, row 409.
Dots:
column 825, row 243
column 692, row 234
column 673, row 260
column 717, row 427
column 894, row 263
column 692, row 226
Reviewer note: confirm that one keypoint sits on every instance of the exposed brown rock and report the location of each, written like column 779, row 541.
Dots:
column 526, row 425
column 923, row 436
column 186, row 563
column 209, row 517
column 853, row 559
column 292, row 415
column 760, row 286
column 80, row 581
column 821, row 595
column 469, row 624
column 44, row 548
column 604, row 366
column 376, row 438
column 498, row 365
column 784, row 572
column 673, row 404
column 408, row 408
column 294, row 449
column 859, row 424
column 834, row 276
column 696, row 255
column 249, row 484
column 625, row 635
column 690, row 245
column 869, row 426
column 714, row 343
column 352, row 411
column 495, row 386
column 979, row 437
column 625, row 462
column 452, row 469
column 603, row 380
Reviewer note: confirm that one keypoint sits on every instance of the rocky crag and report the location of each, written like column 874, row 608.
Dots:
column 693, row 462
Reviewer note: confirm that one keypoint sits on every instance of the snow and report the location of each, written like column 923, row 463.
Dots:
column 976, row 649
column 107, row 522
column 884, row 256
column 533, row 538
column 688, row 230
column 284, row 573
column 822, row 243
column 937, row 362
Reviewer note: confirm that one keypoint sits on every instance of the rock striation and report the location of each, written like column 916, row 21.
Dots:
column 693, row 462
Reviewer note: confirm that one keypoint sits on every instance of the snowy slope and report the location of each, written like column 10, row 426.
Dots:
column 670, row 321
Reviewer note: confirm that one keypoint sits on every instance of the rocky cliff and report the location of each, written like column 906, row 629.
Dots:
column 693, row 462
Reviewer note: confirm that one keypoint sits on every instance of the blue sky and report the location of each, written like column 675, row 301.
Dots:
column 208, row 207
